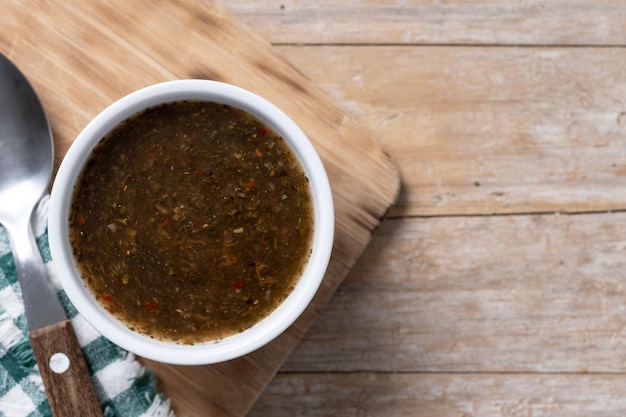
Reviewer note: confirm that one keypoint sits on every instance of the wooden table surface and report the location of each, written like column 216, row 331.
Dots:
column 497, row 285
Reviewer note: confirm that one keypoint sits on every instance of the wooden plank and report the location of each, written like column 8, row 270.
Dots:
column 428, row 395
column 499, row 294
column 490, row 22
column 81, row 56
column 478, row 130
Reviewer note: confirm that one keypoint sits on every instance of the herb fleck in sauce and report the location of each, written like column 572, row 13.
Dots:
column 191, row 221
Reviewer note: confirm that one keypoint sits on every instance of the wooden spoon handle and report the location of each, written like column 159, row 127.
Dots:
column 64, row 372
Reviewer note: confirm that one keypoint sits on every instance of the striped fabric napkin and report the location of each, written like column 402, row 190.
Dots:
column 125, row 387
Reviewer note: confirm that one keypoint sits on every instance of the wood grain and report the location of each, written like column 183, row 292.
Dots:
column 428, row 395
column 487, row 130
column 484, row 22
column 81, row 56
column 521, row 294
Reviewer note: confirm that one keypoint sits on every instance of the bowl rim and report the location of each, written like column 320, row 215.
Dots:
column 263, row 331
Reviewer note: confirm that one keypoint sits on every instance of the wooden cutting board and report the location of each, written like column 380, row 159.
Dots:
column 83, row 55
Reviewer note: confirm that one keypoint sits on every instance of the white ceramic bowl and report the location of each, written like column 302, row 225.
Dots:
column 212, row 351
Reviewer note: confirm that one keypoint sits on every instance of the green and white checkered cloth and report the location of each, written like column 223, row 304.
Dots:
column 125, row 387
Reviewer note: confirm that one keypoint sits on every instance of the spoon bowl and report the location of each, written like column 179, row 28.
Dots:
column 26, row 147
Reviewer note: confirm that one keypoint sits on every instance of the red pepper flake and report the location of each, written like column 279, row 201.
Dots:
column 82, row 220
column 165, row 223
column 150, row 155
column 267, row 148
column 262, row 131
column 150, row 306
column 107, row 298
column 251, row 184
column 200, row 172
column 238, row 285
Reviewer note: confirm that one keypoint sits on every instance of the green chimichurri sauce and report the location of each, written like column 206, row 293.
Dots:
column 191, row 221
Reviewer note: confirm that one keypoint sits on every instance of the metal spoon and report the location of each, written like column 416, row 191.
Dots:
column 26, row 162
